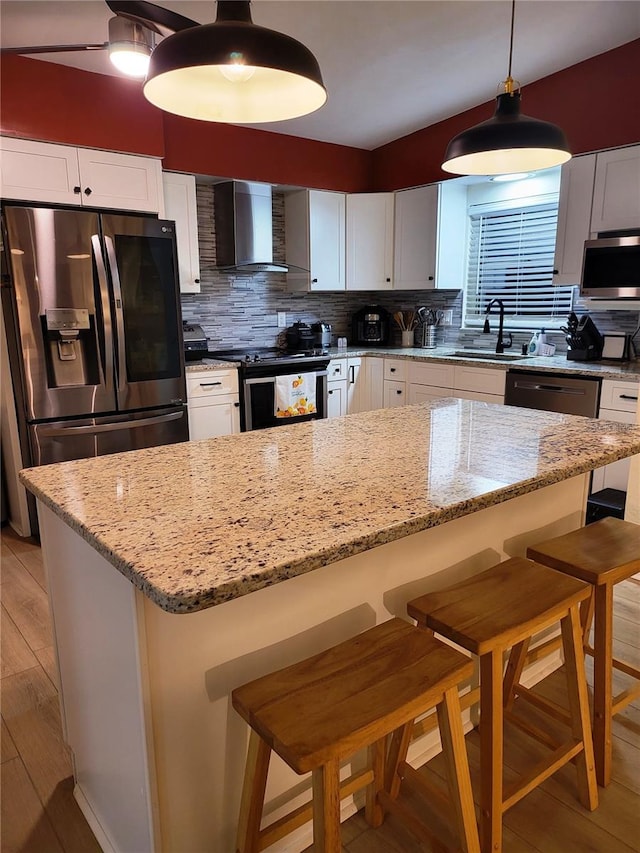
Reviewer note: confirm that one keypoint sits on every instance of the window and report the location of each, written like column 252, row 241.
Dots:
column 510, row 257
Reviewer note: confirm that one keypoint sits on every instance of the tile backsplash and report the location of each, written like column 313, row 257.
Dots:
column 239, row 310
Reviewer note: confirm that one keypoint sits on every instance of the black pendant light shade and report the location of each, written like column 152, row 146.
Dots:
column 508, row 142
column 234, row 71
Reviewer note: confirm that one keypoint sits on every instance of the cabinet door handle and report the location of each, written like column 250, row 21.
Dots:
column 392, row 370
column 314, row 281
column 430, row 278
column 209, row 384
column 398, row 391
column 388, row 279
column 330, row 391
column 237, row 405
column 196, row 281
column 627, row 397
column 77, row 190
column 87, row 191
column 556, row 272
column 352, row 377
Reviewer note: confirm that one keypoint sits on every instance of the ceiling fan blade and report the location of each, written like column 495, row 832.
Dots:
column 153, row 17
column 54, row 48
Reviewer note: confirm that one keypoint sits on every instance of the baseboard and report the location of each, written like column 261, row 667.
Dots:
column 92, row 820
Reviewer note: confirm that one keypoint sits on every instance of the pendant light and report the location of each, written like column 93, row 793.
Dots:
column 234, row 71
column 130, row 46
column 508, row 142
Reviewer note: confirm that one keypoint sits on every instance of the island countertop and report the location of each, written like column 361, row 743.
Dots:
column 196, row 524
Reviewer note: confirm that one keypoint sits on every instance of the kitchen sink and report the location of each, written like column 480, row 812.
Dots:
column 493, row 356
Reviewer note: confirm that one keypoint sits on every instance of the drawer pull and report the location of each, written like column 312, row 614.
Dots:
column 209, row 384
column 627, row 397
column 398, row 391
column 392, row 370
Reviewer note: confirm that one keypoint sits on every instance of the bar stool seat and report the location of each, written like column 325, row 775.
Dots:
column 319, row 712
column 488, row 614
column 602, row 554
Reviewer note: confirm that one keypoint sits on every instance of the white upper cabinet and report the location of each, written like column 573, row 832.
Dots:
column 370, row 241
column 616, row 193
column 574, row 218
column 60, row 174
column 315, row 239
column 180, row 205
column 416, row 223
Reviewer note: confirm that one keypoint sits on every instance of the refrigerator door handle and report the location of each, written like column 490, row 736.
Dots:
column 106, row 310
column 119, row 314
column 113, row 427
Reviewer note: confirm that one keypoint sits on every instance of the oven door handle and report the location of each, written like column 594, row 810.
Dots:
column 272, row 379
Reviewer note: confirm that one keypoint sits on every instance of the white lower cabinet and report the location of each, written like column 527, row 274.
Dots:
column 213, row 404
column 395, row 393
column 422, row 393
column 347, row 386
column 618, row 402
column 479, row 383
column 336, row 398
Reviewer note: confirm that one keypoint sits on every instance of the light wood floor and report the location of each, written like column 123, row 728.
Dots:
column 39, row 814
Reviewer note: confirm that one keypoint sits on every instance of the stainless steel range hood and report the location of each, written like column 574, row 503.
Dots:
column 244, row 227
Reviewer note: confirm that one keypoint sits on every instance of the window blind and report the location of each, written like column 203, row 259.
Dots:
column 510, row 257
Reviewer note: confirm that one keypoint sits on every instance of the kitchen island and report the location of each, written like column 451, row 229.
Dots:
column 177, row 573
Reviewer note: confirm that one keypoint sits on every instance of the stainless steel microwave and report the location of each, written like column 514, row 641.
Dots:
column 611, row 268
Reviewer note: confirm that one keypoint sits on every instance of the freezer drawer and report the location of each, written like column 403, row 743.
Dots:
column 61, row 441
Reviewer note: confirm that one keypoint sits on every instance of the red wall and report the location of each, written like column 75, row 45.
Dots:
column 51, row 102
column 242, row 152
column 595, row 102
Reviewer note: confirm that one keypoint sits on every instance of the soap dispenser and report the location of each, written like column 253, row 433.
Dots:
column 537, row 341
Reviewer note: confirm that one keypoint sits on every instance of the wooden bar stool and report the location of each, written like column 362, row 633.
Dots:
column 319, row 712
column 489, row 614
column 602, row 554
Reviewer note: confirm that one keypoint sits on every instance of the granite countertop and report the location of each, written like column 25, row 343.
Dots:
column 196, row 524
column 625, row 370
column 618, row 370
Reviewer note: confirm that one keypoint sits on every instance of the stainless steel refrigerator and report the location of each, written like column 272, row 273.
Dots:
column 92, row 315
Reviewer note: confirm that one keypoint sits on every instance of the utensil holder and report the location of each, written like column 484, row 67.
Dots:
column 429, row 337
column 407, row 338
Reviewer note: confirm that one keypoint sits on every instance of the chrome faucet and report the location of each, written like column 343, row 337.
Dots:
column 501, row 344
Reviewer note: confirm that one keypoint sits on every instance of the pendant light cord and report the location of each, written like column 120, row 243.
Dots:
column 513, row 15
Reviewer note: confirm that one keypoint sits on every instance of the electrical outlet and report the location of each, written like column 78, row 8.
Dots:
column 447, row 317
column 282, row 319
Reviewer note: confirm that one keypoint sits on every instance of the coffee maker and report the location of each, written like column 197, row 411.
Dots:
column 371, row 325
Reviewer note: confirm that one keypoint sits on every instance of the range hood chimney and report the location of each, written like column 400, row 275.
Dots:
column 244, row 227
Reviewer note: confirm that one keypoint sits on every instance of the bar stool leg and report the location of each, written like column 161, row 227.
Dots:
column 602, row 681
column 579, row 707
column 326, row 808
column 453, row 745
column 399, row 746
column 491, row 751
column 513, row 672
column 255, row 783
column 374, row 815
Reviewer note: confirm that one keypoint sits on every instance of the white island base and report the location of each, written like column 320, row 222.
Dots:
column 145, row 694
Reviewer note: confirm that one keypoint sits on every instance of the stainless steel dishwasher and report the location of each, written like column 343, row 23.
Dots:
column 553, row 392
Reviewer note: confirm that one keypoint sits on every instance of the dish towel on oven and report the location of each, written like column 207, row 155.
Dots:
column 295, row 395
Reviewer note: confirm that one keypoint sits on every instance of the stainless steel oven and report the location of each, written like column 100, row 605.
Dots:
column 259, row 372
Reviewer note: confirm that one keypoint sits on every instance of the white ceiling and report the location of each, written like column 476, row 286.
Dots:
column 390, row 66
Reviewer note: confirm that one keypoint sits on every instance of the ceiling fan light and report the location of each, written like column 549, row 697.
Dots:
column 130, row 46
column 193, row 73
column 506, row 143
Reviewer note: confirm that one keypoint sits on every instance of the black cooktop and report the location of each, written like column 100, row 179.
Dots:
column 257, row 357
